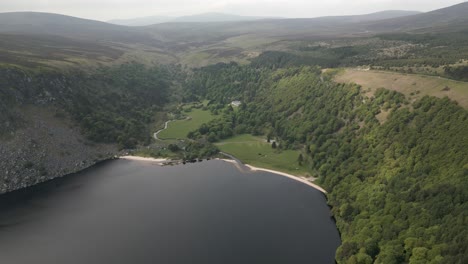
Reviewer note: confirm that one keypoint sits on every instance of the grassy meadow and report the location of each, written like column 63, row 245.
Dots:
column 180, row 128
column 257, row 152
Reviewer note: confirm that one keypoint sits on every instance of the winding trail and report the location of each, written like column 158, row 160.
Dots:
column 161, row 130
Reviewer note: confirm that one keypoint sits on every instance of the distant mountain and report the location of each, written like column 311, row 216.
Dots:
column 141, row 21
column 291, row 27
column 205, row 17
column 451, row 18
column 218, row 17
column 353, row 19
column 211, row 28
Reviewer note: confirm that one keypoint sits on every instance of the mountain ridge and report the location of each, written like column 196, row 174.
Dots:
column 203, row 17
column 225, row 17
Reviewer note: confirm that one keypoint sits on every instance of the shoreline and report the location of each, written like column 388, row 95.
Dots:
column 238, row 165
column 290, row 176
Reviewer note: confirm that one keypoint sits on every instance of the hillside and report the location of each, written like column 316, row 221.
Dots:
column 30, row 39
column 33, row 23
column 452, row 18
column 413, row 86
column 34, row 50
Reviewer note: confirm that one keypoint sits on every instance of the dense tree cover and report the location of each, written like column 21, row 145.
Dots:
column 311, row 56
column 398, row 189
column 237, row 82
column 112, row 105
column 401, row 196
column 187, row 150
column 280, row 59
column 457, row 73
column 121, row 107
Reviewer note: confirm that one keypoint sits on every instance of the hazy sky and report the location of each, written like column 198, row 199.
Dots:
column 109, row 9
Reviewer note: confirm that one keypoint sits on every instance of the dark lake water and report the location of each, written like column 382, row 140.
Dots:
column 134, row 212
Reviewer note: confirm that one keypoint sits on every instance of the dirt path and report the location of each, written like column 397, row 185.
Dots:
column 159, row 131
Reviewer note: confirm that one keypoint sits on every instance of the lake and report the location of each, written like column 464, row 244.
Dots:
column 124, row 211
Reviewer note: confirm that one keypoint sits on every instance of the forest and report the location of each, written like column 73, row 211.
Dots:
column 457, row 73
column 398, row 188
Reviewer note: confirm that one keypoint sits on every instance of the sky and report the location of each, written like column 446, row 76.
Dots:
column 111, row 9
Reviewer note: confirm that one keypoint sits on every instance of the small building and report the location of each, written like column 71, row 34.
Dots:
column 236, row 103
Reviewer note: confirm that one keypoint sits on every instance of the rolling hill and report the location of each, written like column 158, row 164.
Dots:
column 33, row 23
column 451, row 18
column 200, row 38
column 30, row 38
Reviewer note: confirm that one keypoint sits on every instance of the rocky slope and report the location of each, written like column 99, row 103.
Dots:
column 45, row 147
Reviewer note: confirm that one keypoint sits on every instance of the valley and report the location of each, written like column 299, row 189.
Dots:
column 372, row 108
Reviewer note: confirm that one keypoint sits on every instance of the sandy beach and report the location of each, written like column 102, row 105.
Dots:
column 228, row 160
column 159, row 161
column 296, row 178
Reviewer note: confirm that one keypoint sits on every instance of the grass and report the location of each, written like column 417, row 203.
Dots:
column 257, row 152
column 413, row 86
column 180, row 128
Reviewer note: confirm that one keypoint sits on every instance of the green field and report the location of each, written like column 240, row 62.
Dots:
column 257, row 152
column 180, row 128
